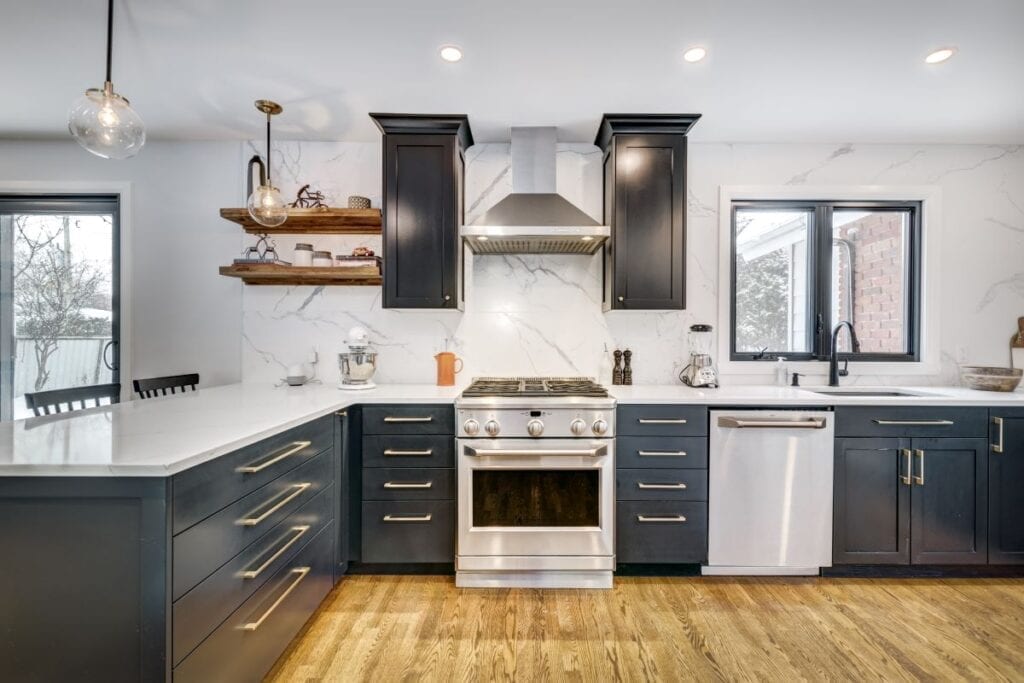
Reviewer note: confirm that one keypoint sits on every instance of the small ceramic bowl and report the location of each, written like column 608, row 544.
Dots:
column 986, row 378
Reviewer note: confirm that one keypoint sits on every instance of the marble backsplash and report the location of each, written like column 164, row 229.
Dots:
column 530, row 315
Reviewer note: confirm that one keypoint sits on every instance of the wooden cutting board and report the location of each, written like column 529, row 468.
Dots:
column 1017, row 346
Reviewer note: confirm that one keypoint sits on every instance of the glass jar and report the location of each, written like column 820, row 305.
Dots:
column 322, row 259
column 303, row 255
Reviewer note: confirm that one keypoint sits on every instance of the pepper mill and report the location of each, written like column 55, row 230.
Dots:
column 617, row 370
column 627, row 371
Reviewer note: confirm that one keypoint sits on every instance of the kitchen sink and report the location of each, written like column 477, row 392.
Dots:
column 866, row 392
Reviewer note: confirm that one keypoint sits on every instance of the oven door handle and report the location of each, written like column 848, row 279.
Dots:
column 595, row 452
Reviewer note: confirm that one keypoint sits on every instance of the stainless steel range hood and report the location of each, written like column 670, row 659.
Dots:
column 534, row 219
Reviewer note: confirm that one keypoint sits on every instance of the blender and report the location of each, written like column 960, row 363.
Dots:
column 700, row 372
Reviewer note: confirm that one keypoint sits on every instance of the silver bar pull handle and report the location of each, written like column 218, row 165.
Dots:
column 254, row 573
column 908, row 464
column 771, row 423
column 919, row 479
column 300, row 574
column 670, row 519
column 914, row 423
column 997, row 447
column 402, row 454
column 408, row 485
column 661, row 421
column 595, row 452
column 659, row 454
column 676, row 486
column 297, row 490
column 392, row 419
column 253, row 468
column 408, row 518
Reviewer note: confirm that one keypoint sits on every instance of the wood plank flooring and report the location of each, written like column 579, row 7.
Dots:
column 416, row 628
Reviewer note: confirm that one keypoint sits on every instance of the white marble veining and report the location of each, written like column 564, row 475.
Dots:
column 163, row 436
column 542, row 314
column 160, row 437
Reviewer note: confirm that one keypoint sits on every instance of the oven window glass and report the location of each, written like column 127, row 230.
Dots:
column 563, row 498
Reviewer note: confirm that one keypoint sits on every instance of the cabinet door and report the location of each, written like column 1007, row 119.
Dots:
column 1006, row 489
column 949, row 512
column 421, row 221
column 648, row 222
column 871, row 522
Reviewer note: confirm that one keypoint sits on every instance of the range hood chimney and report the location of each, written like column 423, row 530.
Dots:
column 534, row 219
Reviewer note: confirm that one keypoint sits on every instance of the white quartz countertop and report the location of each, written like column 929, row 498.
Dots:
column 160, row 437
column 163, row 436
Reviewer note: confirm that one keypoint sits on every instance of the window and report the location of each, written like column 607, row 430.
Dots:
column 59, row 295
column 799, row 268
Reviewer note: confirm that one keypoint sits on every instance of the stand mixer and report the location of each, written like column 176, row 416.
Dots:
column 359, row 364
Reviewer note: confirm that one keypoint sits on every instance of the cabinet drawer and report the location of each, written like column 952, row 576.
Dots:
column 204, row 489
column 409, row 419
column 409, row 451
column 661, row 532
column 661, row 420
column 199, row 611
column 652, row 484
column 661, row 451
column 409, row 532
column 247, row 644
column 408, row 483
column 199, row 551
column 910, row 421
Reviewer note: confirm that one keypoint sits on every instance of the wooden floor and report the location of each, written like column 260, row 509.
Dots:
column 390, row 628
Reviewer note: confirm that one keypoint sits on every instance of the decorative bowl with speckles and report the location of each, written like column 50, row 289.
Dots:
column 986, row 378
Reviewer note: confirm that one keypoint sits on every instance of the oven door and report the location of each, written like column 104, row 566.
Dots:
column 536, row 504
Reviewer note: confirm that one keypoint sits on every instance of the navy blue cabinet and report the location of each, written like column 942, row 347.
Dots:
column 911, row 486
column 1006, row 487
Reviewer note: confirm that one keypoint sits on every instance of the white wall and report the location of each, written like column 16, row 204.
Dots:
column 541, row 314
column 184, row 316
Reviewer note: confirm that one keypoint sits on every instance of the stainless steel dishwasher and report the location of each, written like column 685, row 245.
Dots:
column 770, row 492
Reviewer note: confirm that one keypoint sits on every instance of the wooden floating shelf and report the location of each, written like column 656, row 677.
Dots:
column 313, row 221
column 272, row 274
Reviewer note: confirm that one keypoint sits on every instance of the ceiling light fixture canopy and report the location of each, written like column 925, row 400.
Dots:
column 695, row 54
column 940, row 55
column 101, row 120
column 451, row 53
column 266, row 205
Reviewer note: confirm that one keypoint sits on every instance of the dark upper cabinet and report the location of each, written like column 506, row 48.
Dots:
column 1006, row 487
column 871, row 520
column 645, row 207
column 424, row 166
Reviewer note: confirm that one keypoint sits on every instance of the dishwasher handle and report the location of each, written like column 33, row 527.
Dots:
column 730, row 422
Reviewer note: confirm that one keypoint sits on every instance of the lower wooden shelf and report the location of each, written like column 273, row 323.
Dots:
column 272, row 274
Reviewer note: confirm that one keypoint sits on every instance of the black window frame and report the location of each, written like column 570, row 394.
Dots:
column 820, row 278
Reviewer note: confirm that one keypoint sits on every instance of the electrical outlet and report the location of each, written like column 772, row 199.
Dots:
column 314, row 357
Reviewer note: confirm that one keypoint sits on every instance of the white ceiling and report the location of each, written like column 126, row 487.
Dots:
column 779, row 70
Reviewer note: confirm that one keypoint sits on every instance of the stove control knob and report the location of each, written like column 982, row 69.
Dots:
column 578, row 427
column 492, row 427
column 599, row 427
column 534, row 427
column 471, row 427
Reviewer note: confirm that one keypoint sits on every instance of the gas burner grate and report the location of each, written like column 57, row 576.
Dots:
column 535, row 387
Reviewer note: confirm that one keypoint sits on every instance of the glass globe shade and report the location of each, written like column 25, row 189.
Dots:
column 103, row 123
column 267, row 207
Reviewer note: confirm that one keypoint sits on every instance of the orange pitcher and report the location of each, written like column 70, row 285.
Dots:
column 448, row 365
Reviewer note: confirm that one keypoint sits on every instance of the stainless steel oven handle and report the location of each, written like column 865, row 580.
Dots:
column 767, row 423
column 594, row 452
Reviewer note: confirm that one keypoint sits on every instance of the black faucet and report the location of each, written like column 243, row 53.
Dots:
column 833, row 361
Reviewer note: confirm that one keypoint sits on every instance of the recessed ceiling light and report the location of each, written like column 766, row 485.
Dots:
column 482, row 238
column 695, row 54
column 451, row 53
column 587, row 238
column 940, row 55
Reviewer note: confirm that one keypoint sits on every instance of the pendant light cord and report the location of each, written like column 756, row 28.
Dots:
column 269, row 183
column 110, row 36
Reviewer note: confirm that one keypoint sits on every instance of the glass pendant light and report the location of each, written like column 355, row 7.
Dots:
column 266, row 206
column 101, row 120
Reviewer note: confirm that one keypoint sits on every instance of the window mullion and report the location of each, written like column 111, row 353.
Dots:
column 822, row 273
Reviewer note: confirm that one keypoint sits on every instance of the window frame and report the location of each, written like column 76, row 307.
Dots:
column 819, row 248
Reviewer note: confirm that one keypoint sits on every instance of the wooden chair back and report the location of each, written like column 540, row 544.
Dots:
column 76, row 398
column 165, row 386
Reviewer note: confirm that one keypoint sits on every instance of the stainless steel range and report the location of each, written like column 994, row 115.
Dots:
column 536, row 462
